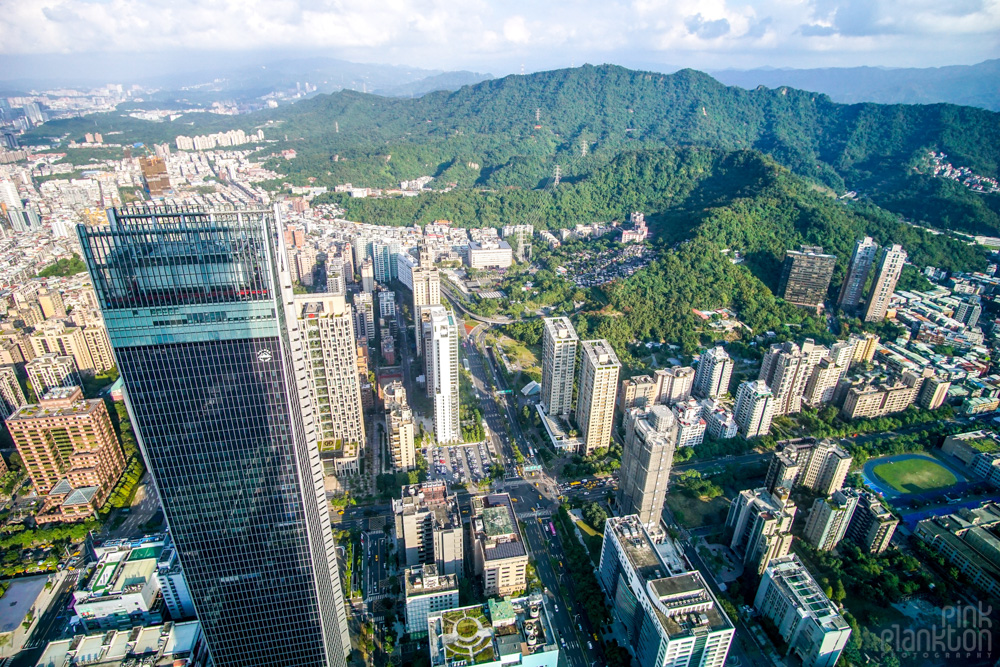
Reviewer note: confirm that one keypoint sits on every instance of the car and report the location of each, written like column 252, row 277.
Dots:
column 340, row 512
column 590, row 645
column 557, row 608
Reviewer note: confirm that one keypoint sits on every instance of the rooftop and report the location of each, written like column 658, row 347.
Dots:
column 798, row 586
column 600, row 353
column 637, row 546
column 495, row 527
column 425, row 580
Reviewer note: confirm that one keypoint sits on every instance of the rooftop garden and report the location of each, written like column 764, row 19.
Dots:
column 468, row 635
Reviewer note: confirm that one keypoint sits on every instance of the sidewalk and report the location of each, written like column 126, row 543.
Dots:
column 41, row 605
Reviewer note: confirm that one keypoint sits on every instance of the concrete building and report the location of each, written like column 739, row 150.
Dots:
column 858, row 269
column 933, row 392
column 364, row 316
column 805, row 276
column 122, row 589
column 441, row 367
column 674, row 384
column 720, row 423
column 428, row 593
column 754, row 408
column 336, row 281
column 510, row 633
column 876, row 400
column 173, row 586
column 96, row 338
column 327, row 324
column 489, row 254
column 828, row 520
column 819, row 466
column 671, row 617
column 986, row 466
column 65, row 437
column 51, row 371
column 424, row 281
column 967, row 540
column 890, row 267
column 559, row 342
column 650, row 441
column 65, row 341
column 636, row 392
column 823, row 382
column 367, row 270
column 11, row 396
column 164, row 645
column 155, row 179
column 598, row 382
column 691, row 425
column 967, row 312
column 865, row 346
column 786, row 369
column 714, row 371
column 499, row 555
column 872, row 525
column 51, row 303
column 400, row 428
column 519, row 237
column 809, row 623
column 384, row 260
column 759, row 525
column 429, row 523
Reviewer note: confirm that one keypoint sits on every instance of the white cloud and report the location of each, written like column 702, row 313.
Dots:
column 436, row 33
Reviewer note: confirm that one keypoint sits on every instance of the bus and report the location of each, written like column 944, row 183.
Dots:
column 465, row 363
column 576, row 483
column 552, row 527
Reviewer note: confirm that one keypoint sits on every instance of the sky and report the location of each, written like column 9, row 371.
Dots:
column 501, row 36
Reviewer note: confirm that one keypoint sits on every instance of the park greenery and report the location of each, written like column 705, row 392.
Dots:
column 67, row 266
column 586, row 590
column 470, row 413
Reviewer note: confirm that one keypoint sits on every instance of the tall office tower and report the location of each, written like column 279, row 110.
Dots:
column 674, row 384
column 595, row 408
column 64, row 340
column 650, row 439
column 809, row 623
column 786, row 369
column 368, row 276
column 714, row 371
column 441, row 341
column 636, row 392
column 51, row 371
column 890, row 266
column 853, row 287
column 154, row 176
column 11, row 396
column 872, row 525
column 336, row 283
column 400, row 426
column 559, row 341
column 429, row 522
column 754, row 408
column 805, row 276
column 364, row 316
column 968, row 311
column 671, row 617
column 426, row 288
column 760, row 526
column 51, row 303
column 822, row 382
column 934, row 392
column 691, row 425
column 828, row 520
column 498, row 550
column 199, row 309
column 65, row 437
column 326, row 323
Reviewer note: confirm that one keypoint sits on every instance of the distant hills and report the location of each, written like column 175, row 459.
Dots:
column 970, row 85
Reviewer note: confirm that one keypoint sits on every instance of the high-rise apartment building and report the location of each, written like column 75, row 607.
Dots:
column 441, row 357
column 595, row 407
column 828, row 520
column 499, row 555
column 933, row 392
column 50, row 371
column 64, row 340
column 429, row 523
column 559, row 342
column 65, row 437
column 754, row 408
column 786, row 369
column 96, row 338
column 671, row 616
column 384, row 260
column 200, row 312
column 719, row 421
column 890, row 266
column 367, row 269
column 428, row 592
column 400, row 428
column 51, row 303
column 326, row 324
column 691, row 425
column 820, row 467
column 364, row 316
column 11, row 395
column 822, row 382
column 805, row 276
column 519, row 238
column 674, row 384
column 154, row 176
column 967, row 312
column 853, row 286
column 760, row 526
column 807, row 620
column 424, row 281
column 636, row 392
column 872, row 525
column 336, row 281
column 714, row 371
column 650, row 440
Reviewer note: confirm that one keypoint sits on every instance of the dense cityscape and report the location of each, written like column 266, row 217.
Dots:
column 256, row 414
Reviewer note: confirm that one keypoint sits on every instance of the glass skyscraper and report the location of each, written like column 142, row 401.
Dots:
column 195, row 306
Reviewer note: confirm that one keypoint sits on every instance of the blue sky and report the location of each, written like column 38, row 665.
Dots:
column 499, row 37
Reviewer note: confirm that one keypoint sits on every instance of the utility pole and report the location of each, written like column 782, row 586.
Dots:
column 538, row 115
column 583, row 148
column 557, row 175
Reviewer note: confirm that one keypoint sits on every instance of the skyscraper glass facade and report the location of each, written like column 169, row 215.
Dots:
column 194, row 303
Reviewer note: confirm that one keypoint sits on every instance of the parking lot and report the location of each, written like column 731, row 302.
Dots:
column 459, row 463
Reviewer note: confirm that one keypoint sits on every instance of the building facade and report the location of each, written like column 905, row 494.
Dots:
column 499, row 555
column 805, row 276
column 429, row 523
column 760, row 526
column 714, row 372
column 890, row 266
column 650, row 441
column 400, row 428
column 559, row 343
column 754, row 408
column 858, row 269
column 595, row 407
column 441, row 357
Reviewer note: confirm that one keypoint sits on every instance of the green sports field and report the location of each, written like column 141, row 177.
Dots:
column 915, row 475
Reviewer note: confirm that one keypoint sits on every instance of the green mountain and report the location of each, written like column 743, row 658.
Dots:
column 487, row 135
